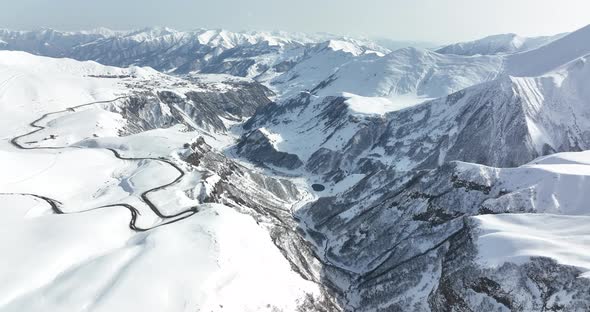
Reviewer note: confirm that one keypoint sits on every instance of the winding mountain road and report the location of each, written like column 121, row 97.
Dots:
column 55, row 204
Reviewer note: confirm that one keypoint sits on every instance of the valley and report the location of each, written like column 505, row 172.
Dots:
column 283, row 172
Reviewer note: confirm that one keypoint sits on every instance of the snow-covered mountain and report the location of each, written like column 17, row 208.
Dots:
column 335, row 101
column 396, row 217
column 539, row 115
column 287, row 172
column 245, row 54
column 49, row 42
column 405, row 72
column 411, row 241
column 95, row 205
column 552, row 56
column 498, row 44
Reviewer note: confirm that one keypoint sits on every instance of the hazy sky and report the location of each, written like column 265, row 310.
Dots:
column 426, row 20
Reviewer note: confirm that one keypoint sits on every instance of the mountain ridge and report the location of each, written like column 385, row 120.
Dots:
column 330, row 175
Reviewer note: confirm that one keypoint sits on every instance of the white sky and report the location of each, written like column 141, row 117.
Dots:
column 427, row 20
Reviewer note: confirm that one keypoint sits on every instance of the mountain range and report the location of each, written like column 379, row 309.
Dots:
column 211, row 170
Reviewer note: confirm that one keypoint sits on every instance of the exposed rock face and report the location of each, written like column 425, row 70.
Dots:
column 160, row 48
column 408, row 237
column 159, row 107
column 245, row 54
column 487, row 127
column 404, row 233
column 324, row 161
column 497, row 124
column 258, row 148
column 539, row 285
column 271, row 113
column 403, row 237
column 323, row 124
column 269, row 201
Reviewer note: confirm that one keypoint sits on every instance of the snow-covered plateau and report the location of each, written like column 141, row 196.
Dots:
column 209, row 170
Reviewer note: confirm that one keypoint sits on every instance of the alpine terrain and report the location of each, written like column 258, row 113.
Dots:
column 211, row 170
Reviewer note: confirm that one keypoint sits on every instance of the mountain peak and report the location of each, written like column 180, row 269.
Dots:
column 151, row 32
column 552, row 55
column 496, row 44
column 341, row 45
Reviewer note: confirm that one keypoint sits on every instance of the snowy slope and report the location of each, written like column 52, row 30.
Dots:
column 81, row 210
column 32, row 86
column 246, row 54
column 375, row 181
column 145, row 99
column 324, row 99
column 551, row 56
column 49, row 42
column 516, row 238
column 198, row 264
column 410, row 76
column 552, row 186
column 410, row 71
column 367, row 110
column 559, row 231
column 411, row 236
column 498, row 44
column 396, row 211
